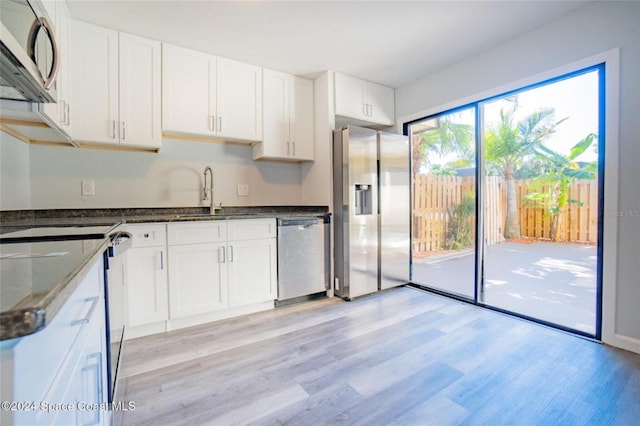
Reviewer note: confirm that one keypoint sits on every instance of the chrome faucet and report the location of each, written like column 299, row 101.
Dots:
column 208, row 192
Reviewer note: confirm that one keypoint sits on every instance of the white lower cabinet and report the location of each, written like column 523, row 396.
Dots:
column 145, row 280
column 252, row 271
column 147, row 285
column 186, row 273
column 238, row 269
column 59, row 373
column 198, row 278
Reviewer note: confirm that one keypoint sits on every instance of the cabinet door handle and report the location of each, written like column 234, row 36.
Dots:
column 230, row 253
column 370, row 110
column 113, row 129
column 123, row 131
column 293, row 144
column 287, row 148
column 221, row 255
column 160, row 260
column 97, row 370
column 68, row 114
column 63, row 112
column 219, row 124
column 87, row 318
column 212, row 123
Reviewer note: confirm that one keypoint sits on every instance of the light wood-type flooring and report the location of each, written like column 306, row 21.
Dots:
column 402, row 356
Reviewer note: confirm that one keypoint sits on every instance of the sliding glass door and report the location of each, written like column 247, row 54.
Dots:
column 540, row 146
column 525, row 238
column 444, row 202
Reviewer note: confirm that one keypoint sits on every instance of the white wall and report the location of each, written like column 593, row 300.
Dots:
column 593, row 29
column 15, row 189
column 171, row 178
column 317, row 177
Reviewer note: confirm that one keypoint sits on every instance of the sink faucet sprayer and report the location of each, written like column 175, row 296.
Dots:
column 208, row 191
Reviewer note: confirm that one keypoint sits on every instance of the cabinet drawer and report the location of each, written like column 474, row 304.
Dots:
column 197, row 232
column 80, row 378
column 39, row 356
column 147, row 235
column 251, row 229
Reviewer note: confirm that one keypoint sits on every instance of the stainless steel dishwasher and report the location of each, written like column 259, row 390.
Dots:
column 303, row 256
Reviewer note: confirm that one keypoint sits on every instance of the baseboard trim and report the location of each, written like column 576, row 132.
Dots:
column 627, row 343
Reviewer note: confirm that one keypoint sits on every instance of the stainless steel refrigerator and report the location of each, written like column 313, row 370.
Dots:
column 371, row 209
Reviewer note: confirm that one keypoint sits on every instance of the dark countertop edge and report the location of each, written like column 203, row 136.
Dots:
column 132, row 220
column 25, row 321
column 114, row 217
column 10, row 215
column 26, row 218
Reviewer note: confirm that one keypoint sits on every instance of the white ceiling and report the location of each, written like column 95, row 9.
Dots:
column 388, row 42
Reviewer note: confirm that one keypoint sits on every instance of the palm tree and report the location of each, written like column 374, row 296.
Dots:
column 560, row 173
column 508, row 144
column 446, row 138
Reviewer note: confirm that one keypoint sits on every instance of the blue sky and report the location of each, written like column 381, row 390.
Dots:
column 575, row 98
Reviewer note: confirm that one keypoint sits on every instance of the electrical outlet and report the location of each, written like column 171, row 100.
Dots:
column 87, row 188
column 243, row 190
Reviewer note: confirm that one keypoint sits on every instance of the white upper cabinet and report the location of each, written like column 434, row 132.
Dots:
column 140, row 91
column 210, row 96
column 363, row 100
column 239, row 100
column 116, row 88
column 288, row 132
column 188, row 91
column 302, row 119
column 94, row 73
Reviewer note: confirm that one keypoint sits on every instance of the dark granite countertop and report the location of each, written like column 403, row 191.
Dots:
column 11, row 221
column 36, row 279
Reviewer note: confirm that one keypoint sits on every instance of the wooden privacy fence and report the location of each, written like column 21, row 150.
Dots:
column 576, row 222
column 434, row 197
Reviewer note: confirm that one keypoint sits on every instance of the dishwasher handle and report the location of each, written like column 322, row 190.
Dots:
column 306, row 222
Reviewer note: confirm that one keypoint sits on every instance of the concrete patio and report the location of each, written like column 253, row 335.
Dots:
column 554, row 282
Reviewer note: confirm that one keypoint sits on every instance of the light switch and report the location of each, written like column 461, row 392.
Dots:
column 243, row 190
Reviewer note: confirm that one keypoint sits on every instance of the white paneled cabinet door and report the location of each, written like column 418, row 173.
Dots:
column 381, row 104
column 140, row 91
column 301, row 126
column 188, row 91
column 146, row 285
column 94, row 72
column 275, row 115
column 239, row 100
column 288, row 131
column 349, row 96
column 252, row 271
column 93, row 379
column 197, row 279
column 116, row 88
column 363, row 100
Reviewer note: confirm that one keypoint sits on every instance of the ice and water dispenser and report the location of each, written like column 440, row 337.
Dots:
column 363, row 199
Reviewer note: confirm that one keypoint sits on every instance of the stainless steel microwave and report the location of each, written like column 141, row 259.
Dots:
column 30, row 56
